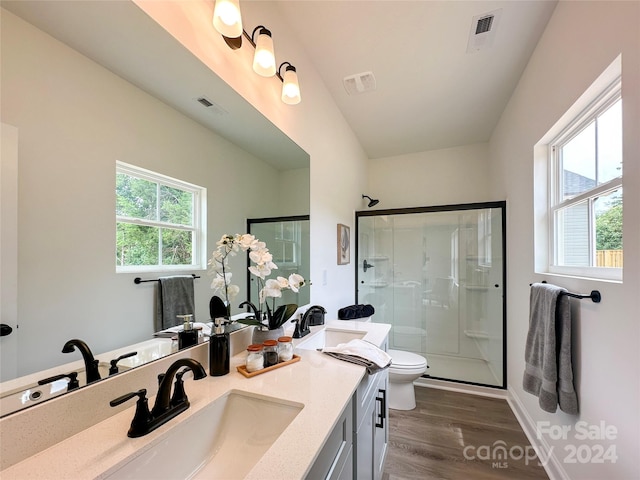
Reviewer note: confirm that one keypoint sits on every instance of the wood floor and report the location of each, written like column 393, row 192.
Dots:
column 457, row 436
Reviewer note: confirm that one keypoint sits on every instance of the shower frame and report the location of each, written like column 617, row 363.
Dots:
column 502, row 205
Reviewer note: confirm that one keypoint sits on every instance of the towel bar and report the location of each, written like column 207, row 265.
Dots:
column 138, row 280
column 594, row 295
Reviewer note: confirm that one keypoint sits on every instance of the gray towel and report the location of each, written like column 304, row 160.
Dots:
column 548, row 371
column 175, row 297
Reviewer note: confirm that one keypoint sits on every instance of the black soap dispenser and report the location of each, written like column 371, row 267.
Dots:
column 188, row 336
column 219, row 350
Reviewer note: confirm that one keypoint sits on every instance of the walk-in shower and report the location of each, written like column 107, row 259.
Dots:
column 436, row 274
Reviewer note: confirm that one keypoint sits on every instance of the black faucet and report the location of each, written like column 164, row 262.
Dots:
column 166, row 406
column 302, row 326
column 90, row 364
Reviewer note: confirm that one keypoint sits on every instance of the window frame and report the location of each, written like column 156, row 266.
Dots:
column 601, row 103
column 198, row 229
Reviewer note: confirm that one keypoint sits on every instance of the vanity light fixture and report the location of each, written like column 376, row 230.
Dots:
column 290, row 85
column 227, row 19
column 264, row 60
column 228, row 22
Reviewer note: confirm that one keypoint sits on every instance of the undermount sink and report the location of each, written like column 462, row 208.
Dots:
column 224, row 440
column 29, row 395
column 148, row 352
column 330, row 337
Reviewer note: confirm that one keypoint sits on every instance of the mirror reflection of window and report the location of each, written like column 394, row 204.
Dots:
column 158, row 221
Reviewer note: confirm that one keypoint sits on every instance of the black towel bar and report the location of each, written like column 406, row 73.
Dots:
column 594, row 295
column 138, row 280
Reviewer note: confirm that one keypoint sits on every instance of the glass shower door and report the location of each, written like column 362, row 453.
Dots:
column 436, row 275
column 288, row 240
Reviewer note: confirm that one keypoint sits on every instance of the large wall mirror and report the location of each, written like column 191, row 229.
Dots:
column 86, row 84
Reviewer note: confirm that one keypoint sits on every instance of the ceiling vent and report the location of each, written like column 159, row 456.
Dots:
column 211, row 106
column 359, row 83
column 483, row 31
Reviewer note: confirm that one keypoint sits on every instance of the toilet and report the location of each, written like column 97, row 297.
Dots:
column 405, row 368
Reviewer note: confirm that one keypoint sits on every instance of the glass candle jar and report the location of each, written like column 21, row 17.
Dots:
column 285, row 349
column 270, row 351
column 255, row 358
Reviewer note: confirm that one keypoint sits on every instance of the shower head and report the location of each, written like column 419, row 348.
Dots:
column 372, row 202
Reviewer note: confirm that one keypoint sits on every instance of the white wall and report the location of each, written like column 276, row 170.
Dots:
column 568, row 58
column 338, row 162
column 438, row 177
column 75, row 119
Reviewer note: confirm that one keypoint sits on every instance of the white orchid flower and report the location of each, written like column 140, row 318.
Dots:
column 261, row 271
column 224, row 240
column 217, row 284
column 271, row 289
column 246, row 241
column 296, row 281
column 233, row 291
column 261, row 256
column 283, row 282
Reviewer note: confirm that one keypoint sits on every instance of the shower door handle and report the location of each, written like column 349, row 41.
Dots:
column 383, row 408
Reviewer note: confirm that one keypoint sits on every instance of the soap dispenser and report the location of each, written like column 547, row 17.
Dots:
column 219, row 350
column 188, row 336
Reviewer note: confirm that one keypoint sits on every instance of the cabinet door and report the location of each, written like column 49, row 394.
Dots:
column 381, row 430
column 335, row 459
column 364, row 443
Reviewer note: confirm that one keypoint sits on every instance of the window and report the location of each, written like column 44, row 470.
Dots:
column 585, row 207
column 160, row 222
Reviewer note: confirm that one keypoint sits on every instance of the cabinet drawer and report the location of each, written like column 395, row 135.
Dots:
column 366, row 393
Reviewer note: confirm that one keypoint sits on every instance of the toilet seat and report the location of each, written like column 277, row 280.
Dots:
column 401, row 360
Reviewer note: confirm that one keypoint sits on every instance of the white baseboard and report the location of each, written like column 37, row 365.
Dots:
column 461, row 387
column 552, row 465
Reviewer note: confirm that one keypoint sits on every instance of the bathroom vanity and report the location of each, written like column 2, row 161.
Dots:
column 327, row 431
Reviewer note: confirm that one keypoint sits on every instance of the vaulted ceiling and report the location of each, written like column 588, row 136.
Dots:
column 432, row 90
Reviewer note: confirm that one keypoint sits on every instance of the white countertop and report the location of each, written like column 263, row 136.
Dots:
column 324, row 385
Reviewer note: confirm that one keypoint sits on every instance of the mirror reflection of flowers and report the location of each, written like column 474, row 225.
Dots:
column 271, row 317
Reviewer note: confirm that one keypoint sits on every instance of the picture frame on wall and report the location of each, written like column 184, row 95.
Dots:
column 344, row 244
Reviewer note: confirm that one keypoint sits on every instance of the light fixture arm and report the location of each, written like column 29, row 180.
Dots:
column 253, row 34
column 236, row 43
column 289, row 67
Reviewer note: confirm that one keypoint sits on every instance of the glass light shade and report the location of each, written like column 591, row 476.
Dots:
column 227, row 19
column 290, row 87
column 264, row 60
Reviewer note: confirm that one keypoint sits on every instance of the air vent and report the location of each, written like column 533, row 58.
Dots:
column 211, row 106
column 483, row 31
column 359, row 83
column 205, row 102
column 484, row 24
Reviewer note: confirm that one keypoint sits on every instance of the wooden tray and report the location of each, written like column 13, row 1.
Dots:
column 243, row 369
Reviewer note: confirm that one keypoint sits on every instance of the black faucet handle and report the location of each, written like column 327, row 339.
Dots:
column 113, row 369
column 142, row 417
column 72, row 376
column 296, row 332
column 142, row 393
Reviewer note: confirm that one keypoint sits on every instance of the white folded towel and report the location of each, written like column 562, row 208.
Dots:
column 362, row 353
